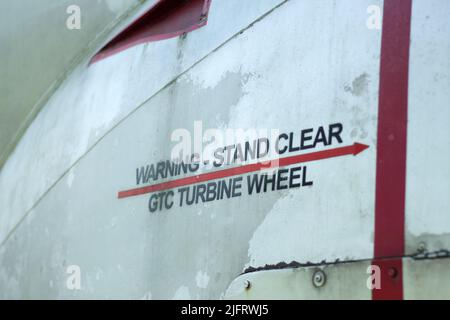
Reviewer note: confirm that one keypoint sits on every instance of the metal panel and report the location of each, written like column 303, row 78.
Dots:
column 342, row 281
column 118, row 242
column 428, row 154
column 94, row 100
column 422, row 279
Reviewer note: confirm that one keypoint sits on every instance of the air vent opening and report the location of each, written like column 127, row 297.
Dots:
column 166, row 19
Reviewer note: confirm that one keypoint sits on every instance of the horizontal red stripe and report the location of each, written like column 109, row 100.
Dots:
column 313, row 156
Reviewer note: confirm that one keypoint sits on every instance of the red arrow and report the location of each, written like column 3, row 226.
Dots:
column 354, row 149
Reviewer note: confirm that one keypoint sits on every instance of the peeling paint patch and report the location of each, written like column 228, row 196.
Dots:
column 359, row 85
column 426, row 242
column 182, row 293
column 202, row 279
column 362, row 121
column 226, row 92
column 285, row 234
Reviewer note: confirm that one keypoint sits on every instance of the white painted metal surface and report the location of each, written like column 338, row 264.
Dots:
column 269, row 64
column 428, row 179
column 38, row 51
column 423, row 279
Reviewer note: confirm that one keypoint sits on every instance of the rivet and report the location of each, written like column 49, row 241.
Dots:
column 392, row 272
column 247, row 284
column 319, row 278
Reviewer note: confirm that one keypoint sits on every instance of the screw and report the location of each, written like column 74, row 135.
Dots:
column 248, row 284
column 319, row 278
column 392, row 272
column 422, row 247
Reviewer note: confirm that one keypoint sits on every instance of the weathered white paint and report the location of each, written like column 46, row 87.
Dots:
column 422, row 279
column 426, row 279
column 202, row 279
column 428, row 179
column 182, row 293
column 94, row 99
column 38, row 51
column 303, row 64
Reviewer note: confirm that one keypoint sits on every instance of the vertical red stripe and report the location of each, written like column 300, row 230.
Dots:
column 391, row 143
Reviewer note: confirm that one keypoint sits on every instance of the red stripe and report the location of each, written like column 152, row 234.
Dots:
column 391, row 280
column 391, row 142
column 354, row 149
